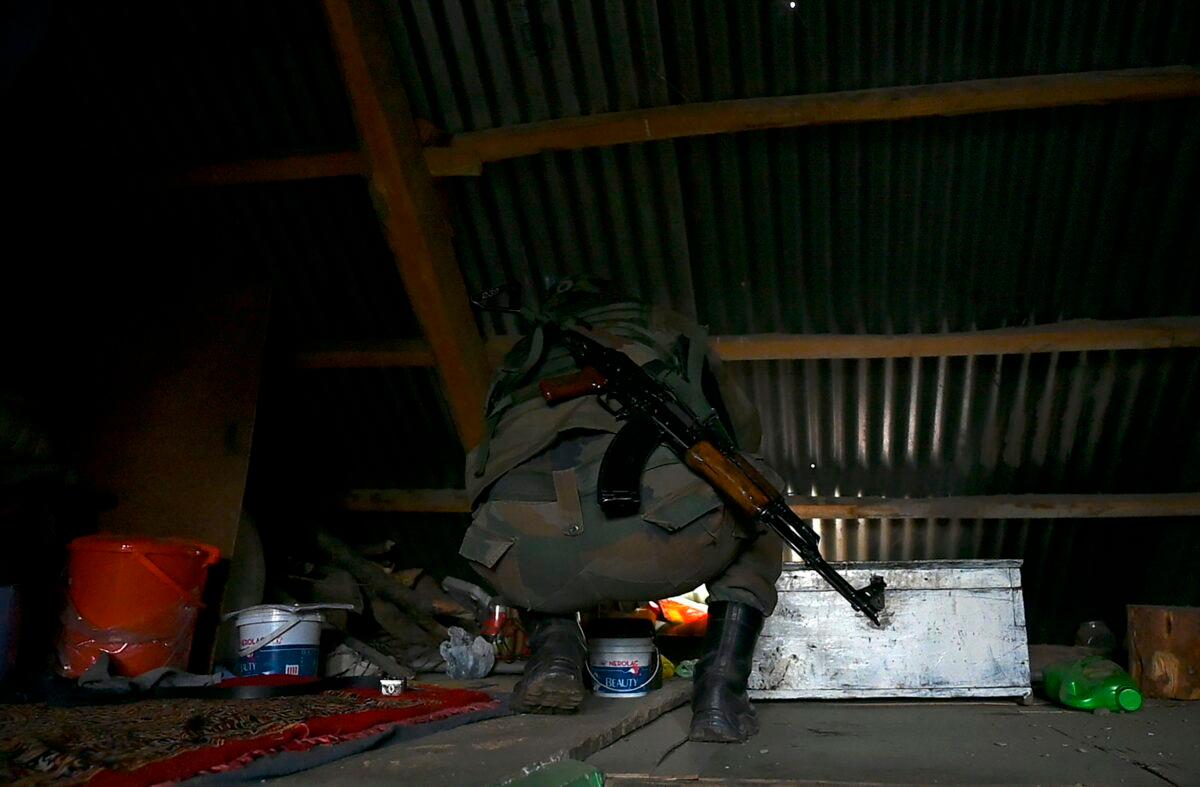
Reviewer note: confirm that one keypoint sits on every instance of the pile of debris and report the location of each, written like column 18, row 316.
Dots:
column 398, row 616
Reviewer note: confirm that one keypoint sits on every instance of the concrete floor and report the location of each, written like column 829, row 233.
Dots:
column 921, row 743
column 499, row 750
column 636, row 742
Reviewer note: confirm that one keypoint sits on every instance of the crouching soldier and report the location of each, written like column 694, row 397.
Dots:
column 539, row 536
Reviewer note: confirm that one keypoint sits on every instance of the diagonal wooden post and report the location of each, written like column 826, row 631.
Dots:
column 417, row 229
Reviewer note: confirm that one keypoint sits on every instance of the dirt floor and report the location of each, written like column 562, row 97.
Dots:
column 951, row 742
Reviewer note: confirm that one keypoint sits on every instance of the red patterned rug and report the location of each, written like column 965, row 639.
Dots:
column 155, row 741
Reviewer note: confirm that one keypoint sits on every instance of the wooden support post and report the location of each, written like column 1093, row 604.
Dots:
column 416, row 228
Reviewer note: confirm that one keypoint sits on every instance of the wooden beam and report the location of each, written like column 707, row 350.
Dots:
column 466, row 152
column 1071, row 336
column 320, row 165
column 1000, row 507
column 415, row 225
column 445, row 501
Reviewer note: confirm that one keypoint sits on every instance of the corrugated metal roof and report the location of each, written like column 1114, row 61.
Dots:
column 940, row 224
column 472, row 65
column 1071, row 423
column 928, row 225
column 919, row 226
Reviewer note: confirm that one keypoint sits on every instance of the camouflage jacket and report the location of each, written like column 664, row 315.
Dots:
column 520, row 423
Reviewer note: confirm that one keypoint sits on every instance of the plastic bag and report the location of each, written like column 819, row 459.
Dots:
column 466, row 658
column 80, row 644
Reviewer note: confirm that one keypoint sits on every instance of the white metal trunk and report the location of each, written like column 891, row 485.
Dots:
column 951, row 628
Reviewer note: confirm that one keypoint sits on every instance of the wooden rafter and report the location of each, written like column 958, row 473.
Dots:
column 310, row 167
column 467, row 152
column 969, row 507
column 1070, row 336
column 414, row 223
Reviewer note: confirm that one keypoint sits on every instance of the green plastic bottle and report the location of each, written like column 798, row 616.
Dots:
column 1092, row 683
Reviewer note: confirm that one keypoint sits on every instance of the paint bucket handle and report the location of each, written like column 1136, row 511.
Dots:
column 274, row 635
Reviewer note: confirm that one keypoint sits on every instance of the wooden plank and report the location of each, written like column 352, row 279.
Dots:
column 466, row 152
column 507, row 749
column 1067, row 336
column 967, row 507
column 320, row 165
column 1000, row 507
column 417, row 230
column 398, row 354
column 177, row 410
column 823, row 744
column 1164, row 650
column 1070, row 336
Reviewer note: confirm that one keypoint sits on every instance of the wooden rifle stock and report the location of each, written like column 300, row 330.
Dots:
column 571, row 386
column 734, row 478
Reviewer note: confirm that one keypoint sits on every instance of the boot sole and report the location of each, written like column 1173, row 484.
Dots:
column 552, row 695
column 711, row 730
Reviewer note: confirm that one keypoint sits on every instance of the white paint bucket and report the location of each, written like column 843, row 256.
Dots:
column 622, row 667
column 278, row 640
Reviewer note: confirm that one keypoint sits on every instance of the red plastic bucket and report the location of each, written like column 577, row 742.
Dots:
column 133, row 597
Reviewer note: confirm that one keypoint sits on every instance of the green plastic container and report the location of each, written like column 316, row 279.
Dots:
column 1092, row 683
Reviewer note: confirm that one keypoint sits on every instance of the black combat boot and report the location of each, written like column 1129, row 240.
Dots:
column 553, row 680
column 721, row 710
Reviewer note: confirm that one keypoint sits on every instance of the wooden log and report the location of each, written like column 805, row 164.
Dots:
column 415, row 225
column 447, row 501
column 1164, row 651
column 399, row 625
column 389, row 665
column 377, row 581
column 466, row 152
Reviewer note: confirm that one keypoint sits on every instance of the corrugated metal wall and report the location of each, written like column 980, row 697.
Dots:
column 921, row 226
column 928, row 225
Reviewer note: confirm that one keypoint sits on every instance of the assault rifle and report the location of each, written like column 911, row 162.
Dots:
column 657, row 416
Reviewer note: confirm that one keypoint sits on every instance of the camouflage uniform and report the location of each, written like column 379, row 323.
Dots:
column 538, row 534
